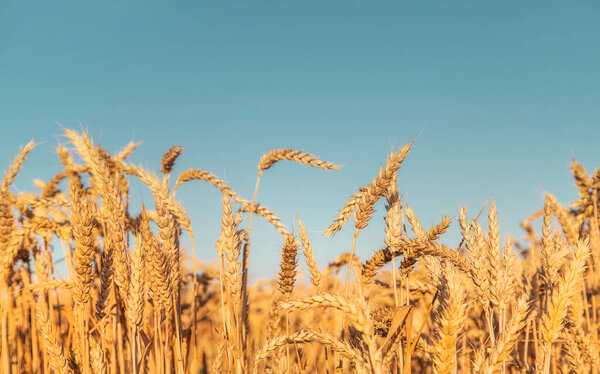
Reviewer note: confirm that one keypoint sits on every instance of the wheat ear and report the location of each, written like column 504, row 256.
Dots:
column 277, row 155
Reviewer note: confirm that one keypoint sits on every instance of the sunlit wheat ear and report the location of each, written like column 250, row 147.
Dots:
column 342, row 348
column 16, row 165
column 553, row 321
column 106, row 285
column 126, row 151
column 168, row 159
column 206, row 176
column 162, row 194
column 82, row 220
column 98, row 362
column 287, row 275
column 229, row 244
column 55, row 351
column 7, row 242
column 449, row 316
column 344, row 214
column 246, row 206
column 583, row 180
column 393, row 219
column 137, row 288
column 159, row 266
column 277, row 155
column 565, row 220
column 374, row 263
column 352, row 310
column 315, row 275
column 168, row 239
column 552, row 257
column 378, row 186
column 415, row 225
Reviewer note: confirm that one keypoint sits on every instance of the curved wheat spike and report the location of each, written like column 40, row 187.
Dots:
column 344, row 214
column 356, row 315
column 277, row 155
column 16, row 165
column 126, row 151
column 379, row 186
column 246, row 206
column 339, row 346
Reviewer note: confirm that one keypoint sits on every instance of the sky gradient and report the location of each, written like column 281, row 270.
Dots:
column 502, row 95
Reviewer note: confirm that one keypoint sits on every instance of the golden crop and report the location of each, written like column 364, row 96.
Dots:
column 130, row 304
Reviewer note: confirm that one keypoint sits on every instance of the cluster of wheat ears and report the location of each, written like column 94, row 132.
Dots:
column 132, row 303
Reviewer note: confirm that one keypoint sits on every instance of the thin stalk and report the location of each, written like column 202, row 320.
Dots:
column 244, row 289
column 178, row 350
column 157, row 342
column 351, row 259
column 394, row 281
column 167, row 349
column 5, row 348
column 134, row 360
column 120, row 350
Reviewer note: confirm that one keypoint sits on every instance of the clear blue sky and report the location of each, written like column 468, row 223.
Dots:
column 503, row 93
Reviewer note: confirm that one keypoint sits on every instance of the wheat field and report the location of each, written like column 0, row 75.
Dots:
column 134, row 301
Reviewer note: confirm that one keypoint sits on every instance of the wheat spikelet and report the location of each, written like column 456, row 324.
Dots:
column 266, row 214
column 7, row 243
column 589, row 352
column 50, row 284
column 337, row 345
column 449, row 318
column 551, row 258
column 582, row 178
column 393, row 220
column 344, row 214
column 160, row 284
column 229, row 244
column 55, row 351
column 438, row 230
column 315, row 275
column 168, row 240
column 342, row 260
column 106, row 284
column 137, row 289
column 16, row 165
column 199, row 174
column 576, row 360
column 126, row 151
column 323, row 300
column 553, row 320
column 378, row 186
column 267, row 160
column 287, row 275
column 98, row 361
column 161, row 193
column 168, row 159
column 374, row 263
column 565, row 220
column 415, row 225
column 82, row 217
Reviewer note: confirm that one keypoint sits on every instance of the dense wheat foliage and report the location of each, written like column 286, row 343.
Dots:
column 131, row 300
